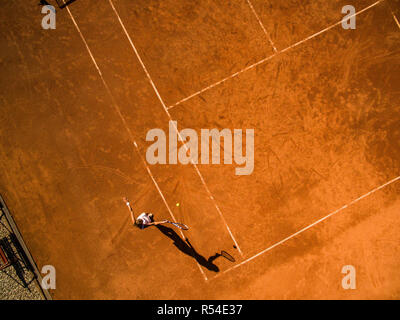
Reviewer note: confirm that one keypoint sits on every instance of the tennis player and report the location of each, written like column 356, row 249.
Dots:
column 144, row 220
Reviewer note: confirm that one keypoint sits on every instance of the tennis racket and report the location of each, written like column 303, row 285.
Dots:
column 178, row 225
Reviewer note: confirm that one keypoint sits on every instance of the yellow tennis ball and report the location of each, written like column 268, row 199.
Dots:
column 177, row 204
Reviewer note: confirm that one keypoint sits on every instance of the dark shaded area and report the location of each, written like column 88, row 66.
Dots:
column 44, row 3
column 61, row 3
column 186, row 247
column 16, row 260
column 21, row 252
column 14, row 256
column 65, row 4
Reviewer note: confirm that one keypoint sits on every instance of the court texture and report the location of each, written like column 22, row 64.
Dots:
column 324, row 102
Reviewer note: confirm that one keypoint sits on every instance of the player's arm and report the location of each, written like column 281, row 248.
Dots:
column 132, row 215
column 157, row 223
column 131, row 210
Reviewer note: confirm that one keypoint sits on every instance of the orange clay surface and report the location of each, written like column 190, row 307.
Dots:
column 326, row 115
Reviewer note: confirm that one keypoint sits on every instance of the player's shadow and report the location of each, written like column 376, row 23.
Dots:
column 187, row 248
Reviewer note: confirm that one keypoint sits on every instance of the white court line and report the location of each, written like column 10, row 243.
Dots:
column 261, row 24
column 127, row 128
column 393, row 15
column 330, row 27
column 221, row 81
column 268, row 58
column 395, row 19
column 176, row 129
column 309, row 226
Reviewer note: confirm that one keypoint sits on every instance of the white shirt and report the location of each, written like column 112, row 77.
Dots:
column 145, row 219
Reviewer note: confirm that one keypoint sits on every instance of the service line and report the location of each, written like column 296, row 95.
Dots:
column 270, row 57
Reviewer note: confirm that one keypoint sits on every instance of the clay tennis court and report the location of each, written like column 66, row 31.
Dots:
column 324, row 102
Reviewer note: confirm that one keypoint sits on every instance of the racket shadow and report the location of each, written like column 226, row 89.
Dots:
column 186, row 247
